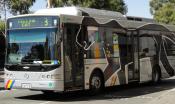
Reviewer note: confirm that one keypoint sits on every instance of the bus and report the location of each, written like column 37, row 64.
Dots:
column 75, row 48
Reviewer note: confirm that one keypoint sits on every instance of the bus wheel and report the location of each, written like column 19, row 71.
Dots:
column 96, row 83
column 155, row 76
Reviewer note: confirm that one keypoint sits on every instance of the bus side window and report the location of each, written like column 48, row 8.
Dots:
column 147, row 46
column 95, row 36
column 108, row 42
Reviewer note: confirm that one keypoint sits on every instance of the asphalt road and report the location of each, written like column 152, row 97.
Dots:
column 162, row 93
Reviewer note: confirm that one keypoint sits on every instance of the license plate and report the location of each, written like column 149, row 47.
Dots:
column 26, row 85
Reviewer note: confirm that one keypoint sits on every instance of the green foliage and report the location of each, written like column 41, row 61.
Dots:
column 2, row 26
column 156, row 5
column 19, row 6
column 114, row 5
column 166, row 14
column 163, row 11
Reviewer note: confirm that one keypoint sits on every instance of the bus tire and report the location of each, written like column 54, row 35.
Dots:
column 156, row 75
column 96, row 83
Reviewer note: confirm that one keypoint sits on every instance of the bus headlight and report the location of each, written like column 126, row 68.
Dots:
column 51, row 76
column 48, row 76
column 10, row 76
column 56, row 76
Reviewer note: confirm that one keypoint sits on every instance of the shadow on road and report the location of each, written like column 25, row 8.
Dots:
column 119, row 92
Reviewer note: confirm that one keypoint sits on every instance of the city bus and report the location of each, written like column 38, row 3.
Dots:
column 74, row 48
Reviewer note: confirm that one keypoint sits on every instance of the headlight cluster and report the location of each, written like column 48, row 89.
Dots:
column 10, row 76
column 51, row 76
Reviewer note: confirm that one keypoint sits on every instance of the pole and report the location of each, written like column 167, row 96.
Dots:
column 5, row 17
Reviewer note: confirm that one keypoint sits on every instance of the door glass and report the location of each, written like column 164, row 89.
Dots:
column 73, row 56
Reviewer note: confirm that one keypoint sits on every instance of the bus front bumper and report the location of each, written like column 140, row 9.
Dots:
column 34, row 85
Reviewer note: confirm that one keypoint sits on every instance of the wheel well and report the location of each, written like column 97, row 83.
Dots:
column 99, row 71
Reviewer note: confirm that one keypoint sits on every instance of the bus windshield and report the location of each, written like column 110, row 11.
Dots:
column 32, row 46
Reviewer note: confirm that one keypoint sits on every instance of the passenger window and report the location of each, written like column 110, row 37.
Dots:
column 96, row 43
column 147, row 47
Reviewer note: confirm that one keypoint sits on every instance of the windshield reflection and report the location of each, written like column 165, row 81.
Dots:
column 29, row 46
column 36, row 54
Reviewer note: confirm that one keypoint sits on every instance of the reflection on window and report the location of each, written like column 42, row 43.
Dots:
column 32, row 45
column 96, row 50
column 106, row 41
column 27, row 37
column 147, row 47
column 106, row 45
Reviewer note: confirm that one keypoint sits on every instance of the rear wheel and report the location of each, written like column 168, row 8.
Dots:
column 96, row 83
column 155, row 76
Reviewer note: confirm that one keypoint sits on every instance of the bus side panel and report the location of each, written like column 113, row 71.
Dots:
column 167, row 54
column 90, row 65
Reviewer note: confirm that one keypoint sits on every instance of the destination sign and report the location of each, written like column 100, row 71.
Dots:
column 32, row 22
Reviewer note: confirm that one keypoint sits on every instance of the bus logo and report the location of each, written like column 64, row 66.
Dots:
column 26, row 76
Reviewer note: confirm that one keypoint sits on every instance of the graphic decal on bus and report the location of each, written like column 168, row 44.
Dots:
column 112, row 55
column 166, row 51
column 9, row 84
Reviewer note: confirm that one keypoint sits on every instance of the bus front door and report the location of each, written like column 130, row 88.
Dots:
column 73, row 59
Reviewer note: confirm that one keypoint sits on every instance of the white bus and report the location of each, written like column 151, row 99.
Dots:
column 74, row 48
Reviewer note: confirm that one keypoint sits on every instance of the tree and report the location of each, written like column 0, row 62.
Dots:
column 19, row 6
column 163, row 11
column 114, row 5
column 166, row 14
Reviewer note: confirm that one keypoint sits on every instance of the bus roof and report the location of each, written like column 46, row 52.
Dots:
column 128, row 22
column 80, row 11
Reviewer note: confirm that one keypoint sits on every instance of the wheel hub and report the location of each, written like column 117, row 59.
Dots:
column 96, row 82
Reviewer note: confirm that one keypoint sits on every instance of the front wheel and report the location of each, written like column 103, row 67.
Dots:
column 96, row 83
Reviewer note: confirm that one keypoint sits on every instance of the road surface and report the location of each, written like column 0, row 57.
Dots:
column 163, row 93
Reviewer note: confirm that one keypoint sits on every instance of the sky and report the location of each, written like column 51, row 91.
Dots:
column 138, row 8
